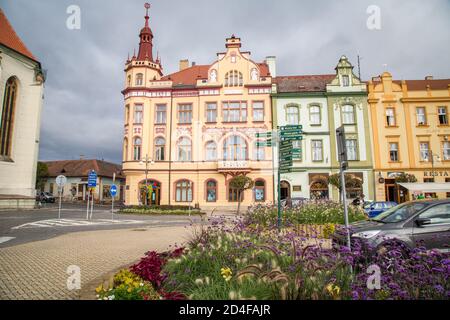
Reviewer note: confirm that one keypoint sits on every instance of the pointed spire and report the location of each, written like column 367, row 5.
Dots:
column 147, row 6
column 146, row 36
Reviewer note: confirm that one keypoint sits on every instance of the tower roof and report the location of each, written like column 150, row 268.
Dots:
column 146, row 37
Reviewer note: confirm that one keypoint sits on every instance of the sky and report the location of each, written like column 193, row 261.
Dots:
column 83, row 106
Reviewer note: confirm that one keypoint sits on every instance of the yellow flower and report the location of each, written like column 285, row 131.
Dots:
column 333, row 290
column 99, row 289
column 226, row 273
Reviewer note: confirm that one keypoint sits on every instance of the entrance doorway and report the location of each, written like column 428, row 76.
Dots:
column 391, row 190
column 285, row 190
column 153, row 192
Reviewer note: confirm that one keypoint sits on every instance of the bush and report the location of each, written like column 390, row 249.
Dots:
column 161, row 210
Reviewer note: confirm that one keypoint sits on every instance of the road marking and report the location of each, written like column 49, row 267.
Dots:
column 74, row 223
column 6, row 239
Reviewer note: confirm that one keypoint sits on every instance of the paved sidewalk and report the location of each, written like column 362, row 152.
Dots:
column 37, row 270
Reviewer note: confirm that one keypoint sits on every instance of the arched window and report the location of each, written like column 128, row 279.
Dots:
column 125, row 149
column 139, row 79
column 234, row 78
column 211, row 151
column 184, row 149
column 183, row 191
column 292, row 115
column 259, row 151
column 160, row 145
column 7, row 117
column 137, row 146
column 234, row 149
column 129, row 81
column 348, row 114
column 211, row 190
column 260, row 190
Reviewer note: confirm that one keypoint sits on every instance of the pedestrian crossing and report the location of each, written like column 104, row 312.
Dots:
column 74, row 223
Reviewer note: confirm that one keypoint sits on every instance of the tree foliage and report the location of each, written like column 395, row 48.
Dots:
column 241, row 183
column 41, row 174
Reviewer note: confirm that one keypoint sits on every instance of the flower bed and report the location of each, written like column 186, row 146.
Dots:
column 161, row 210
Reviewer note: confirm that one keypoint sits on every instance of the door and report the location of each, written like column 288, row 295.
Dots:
column 285, row 190
column 435, row 232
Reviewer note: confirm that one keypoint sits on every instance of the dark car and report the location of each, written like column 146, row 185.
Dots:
column 377, row 207
column 45, row 197
column 426, row 222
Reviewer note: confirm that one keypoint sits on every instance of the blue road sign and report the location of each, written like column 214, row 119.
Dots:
column 113, row 190
column 92, row 179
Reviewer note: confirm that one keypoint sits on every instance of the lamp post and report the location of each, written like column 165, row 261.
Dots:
column 147, row 161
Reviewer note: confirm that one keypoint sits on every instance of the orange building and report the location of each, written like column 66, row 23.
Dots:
column 411, row 136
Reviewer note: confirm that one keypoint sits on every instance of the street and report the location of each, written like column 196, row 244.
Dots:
column 18, row 227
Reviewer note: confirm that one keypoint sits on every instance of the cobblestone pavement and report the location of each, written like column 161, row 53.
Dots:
column 38, row 270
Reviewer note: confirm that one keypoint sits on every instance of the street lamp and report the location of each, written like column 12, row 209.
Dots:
column 147, row 161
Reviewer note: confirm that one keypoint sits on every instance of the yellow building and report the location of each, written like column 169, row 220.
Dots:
column 411, row 135
column 189, row 132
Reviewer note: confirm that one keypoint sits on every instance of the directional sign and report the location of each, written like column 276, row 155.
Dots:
column 291, row 138
column 113, row 190
column 286, row 170
column 264, row 134
column 291, row 133
column 291, row 127
column 61, row 181
column 263, row 144
column 92, row 179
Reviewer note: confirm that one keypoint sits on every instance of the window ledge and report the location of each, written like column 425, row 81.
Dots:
column 422, row 126
column 393, row 127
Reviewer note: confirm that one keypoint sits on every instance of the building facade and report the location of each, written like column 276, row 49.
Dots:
column 186, row 134
column 347, row 103
column 21, row 98
column 411, row 133
column 76, row 172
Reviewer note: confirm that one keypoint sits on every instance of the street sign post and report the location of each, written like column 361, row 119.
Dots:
column 113, row 192
column 60, row 182
column 92, row 184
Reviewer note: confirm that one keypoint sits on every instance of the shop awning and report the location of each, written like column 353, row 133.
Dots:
column 427, row 187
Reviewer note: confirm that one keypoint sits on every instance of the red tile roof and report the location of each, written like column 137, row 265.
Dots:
column 188, row 76
column 417, row 85
column 81, row 168
column 10, row 39
column 307, row 83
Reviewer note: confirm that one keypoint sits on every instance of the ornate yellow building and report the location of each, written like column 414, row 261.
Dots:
column 411, row 135
column 189, row 132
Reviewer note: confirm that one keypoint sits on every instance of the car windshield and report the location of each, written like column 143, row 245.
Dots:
column 400, row 213
column 367, row 205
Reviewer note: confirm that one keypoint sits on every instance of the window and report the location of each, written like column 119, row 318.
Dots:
column 390, row 117
column 183, row 192
column 292, row 115
column 211, row 191
column 317, row 154
column 160, row 145
column 258, row 111
column 161, row 113
column 345, row 81
column 129, row 81
column 233, row 194
column 234, row 78
column 138, row 113
column 442, row 114
column 447, row 180
column 185, row 113
column 421, row 117
column 137, row 143
column 211, row 151
column 314, row 115
column 211, row 112
column 139, row 79
column 260, row 188
column 125, row 149
column 234, row 149
column 439, row 214
column 393, row 151
column 352, row 150
column 424, row 151
column 258, row 151
column 235, row 111
column 428, row 180
column 348, row 114
column 127, row 113
column 7, row 117
column 446, row 150
column 184, row 149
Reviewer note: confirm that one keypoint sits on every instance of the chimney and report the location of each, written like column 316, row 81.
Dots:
column 184, row 64
column 193, row 63
column 429, row 78
column 271, row 62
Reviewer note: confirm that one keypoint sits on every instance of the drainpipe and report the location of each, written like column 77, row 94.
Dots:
column 170, row 147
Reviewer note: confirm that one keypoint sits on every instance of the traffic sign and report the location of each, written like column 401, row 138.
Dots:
column 291, row 138
column 263, row 144
column 291, row 133
column 61, row 181
column 291, row 127
column 286, row 170
column 113, row 190
column 264, row 134
column 92, row 179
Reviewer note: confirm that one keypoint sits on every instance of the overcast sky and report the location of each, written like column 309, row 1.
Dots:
column 83, row 105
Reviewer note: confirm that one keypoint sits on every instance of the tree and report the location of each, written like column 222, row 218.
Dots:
column 41, row 175
column 405, row 177
column 350, row 182
column 241, row 183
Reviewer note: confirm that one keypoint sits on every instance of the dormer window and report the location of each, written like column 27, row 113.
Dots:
column 139, row 79
column 345, row 81
column 234, row 78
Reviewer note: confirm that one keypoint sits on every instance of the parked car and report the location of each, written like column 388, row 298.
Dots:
column 377, row 207
column 425, row 221
column 45, row 197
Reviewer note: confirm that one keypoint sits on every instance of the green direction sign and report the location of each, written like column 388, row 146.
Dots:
column 264, row 134
column 284, row 154
column 292, row 138
column 263, row 144
column 291, row 127
column 286, row 170
column 286, row 164
column 291, row 133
